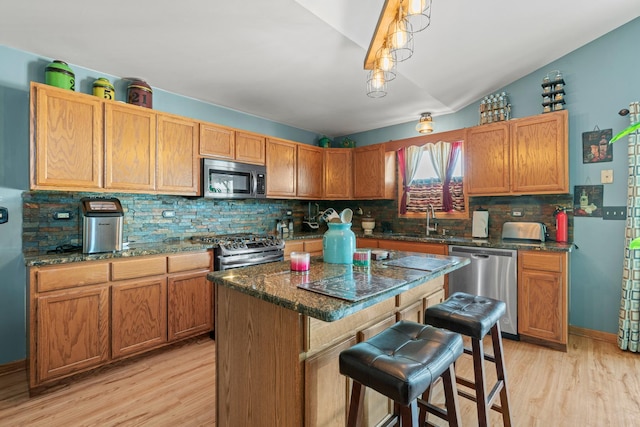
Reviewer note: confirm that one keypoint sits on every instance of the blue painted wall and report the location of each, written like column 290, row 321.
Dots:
column 601, row 78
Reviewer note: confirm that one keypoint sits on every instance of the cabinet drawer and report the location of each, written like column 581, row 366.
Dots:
column 293, row 246
column 72, row 275
column 412, row 295
column 314, row 247
column 545, row 261
column 138, row 267
column 190, row 261
column 320, row 334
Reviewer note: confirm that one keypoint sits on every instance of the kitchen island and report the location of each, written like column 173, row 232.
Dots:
column 278, row 342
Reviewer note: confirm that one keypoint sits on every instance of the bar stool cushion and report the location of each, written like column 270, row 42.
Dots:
column 466, row 314
column 402, row 361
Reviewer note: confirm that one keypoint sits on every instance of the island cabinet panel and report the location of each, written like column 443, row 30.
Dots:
column 138, row 315
column 327, row 391
column 66, row 140
column 540, row 161
column 130, row 148
column 217, row 141
column 178, row 165
column 189, row 305
column 281, row 163
column 257, row 341
column 250, row 148
column 72, row 327
column 543, row 298
column 338, row 173
column 487, row 159
column 310, row 172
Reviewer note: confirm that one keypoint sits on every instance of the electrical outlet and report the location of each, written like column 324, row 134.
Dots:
column 62, row 215
column 614, row 212
column 4, row 215
column 517, row 212
column 606, row 176
column 168, row 214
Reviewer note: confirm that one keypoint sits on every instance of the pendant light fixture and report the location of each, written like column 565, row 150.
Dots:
column 392, row 41
column 425, row 125
column 419, row 14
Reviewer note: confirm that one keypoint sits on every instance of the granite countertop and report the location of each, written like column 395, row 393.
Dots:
column 136, row 249
column 275, row 283
column 497, row 243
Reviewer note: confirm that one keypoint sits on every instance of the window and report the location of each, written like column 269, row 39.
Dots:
column 427, row 186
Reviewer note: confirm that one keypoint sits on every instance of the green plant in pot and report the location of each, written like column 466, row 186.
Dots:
column 635, row 243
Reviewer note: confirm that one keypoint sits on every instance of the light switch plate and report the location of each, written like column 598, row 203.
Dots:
column 614, row 212
column 606, row 176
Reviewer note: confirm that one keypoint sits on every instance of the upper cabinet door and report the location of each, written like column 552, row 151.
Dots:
column 487, row 159
column 217, row 141
column 178, row 168
column 369, row 172
column 66, row 139
column 130, row 148
column 250, row 148
column 281, row 168
column 338, row 178
column 540, row 160
column 310, row 170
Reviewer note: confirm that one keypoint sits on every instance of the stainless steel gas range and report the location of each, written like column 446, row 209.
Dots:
column 242, row 250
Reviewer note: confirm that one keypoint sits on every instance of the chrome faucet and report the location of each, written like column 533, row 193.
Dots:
column 433, row 215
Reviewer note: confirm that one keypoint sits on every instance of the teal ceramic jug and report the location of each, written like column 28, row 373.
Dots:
column 338, row 243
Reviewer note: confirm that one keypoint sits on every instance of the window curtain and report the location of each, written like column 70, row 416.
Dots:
column 408, row 162
column 629, row 317
column 444, row 156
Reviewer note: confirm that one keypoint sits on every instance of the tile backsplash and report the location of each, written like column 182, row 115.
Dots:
column 144, row 222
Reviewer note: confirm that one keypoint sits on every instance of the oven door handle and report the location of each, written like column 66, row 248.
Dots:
column 226, row 263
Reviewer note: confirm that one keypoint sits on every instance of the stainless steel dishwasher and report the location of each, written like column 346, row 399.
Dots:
column 492, row 273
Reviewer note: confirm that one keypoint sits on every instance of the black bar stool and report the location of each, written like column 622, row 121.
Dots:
column 476, row 316
column 402, row 362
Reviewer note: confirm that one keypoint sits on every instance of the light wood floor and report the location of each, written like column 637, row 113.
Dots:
column 593, row 384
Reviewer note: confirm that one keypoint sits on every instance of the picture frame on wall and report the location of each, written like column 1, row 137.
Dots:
column 596, row 147
column 587, row 200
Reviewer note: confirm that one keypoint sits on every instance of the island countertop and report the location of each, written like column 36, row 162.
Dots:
column 275, row 283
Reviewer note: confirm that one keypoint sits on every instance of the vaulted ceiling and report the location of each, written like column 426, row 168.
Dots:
column 300, row 62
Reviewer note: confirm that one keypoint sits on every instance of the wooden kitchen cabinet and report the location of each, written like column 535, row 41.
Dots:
column 67, row 145
column 310, row 172
column 217, row 141
column 374, row 172
column 487, row 159
column 130, row 140
column 540, row 156
column 313, row 246
column 543, row 298
column 87, row 314
column 190, row 302
column 282, row 172
column 178, row 165
column 521, row 156
column 72, row 329
column 138, row 315
column 250, row 148
column 338, row 175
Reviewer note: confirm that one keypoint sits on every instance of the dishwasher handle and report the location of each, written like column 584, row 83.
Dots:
column 478, row 256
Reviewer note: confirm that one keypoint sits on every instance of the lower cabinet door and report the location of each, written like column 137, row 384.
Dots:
column 72, row 331
column 327, row 392
column 138, row 315
column 190, row 305
column 414, row 312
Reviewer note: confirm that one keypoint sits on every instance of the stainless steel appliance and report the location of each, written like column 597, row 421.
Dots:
column 102, row 220
column 242, row 250
column 492, row 273
column 233, row 180
column 531, row 231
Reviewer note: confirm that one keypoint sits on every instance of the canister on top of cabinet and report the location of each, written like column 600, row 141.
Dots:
column 59, row 74
column 140, row 93
column 103, row 88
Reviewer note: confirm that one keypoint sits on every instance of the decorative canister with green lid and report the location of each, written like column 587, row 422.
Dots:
column 103, row 88
column 59, row 74
column 338, row 243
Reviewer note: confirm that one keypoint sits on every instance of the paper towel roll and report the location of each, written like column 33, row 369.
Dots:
column 480, row 224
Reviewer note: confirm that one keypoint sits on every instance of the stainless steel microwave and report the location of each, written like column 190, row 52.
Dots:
column 223, row 179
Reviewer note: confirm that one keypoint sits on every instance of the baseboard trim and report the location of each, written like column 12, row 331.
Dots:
column 10, row 368
column 596, row 335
